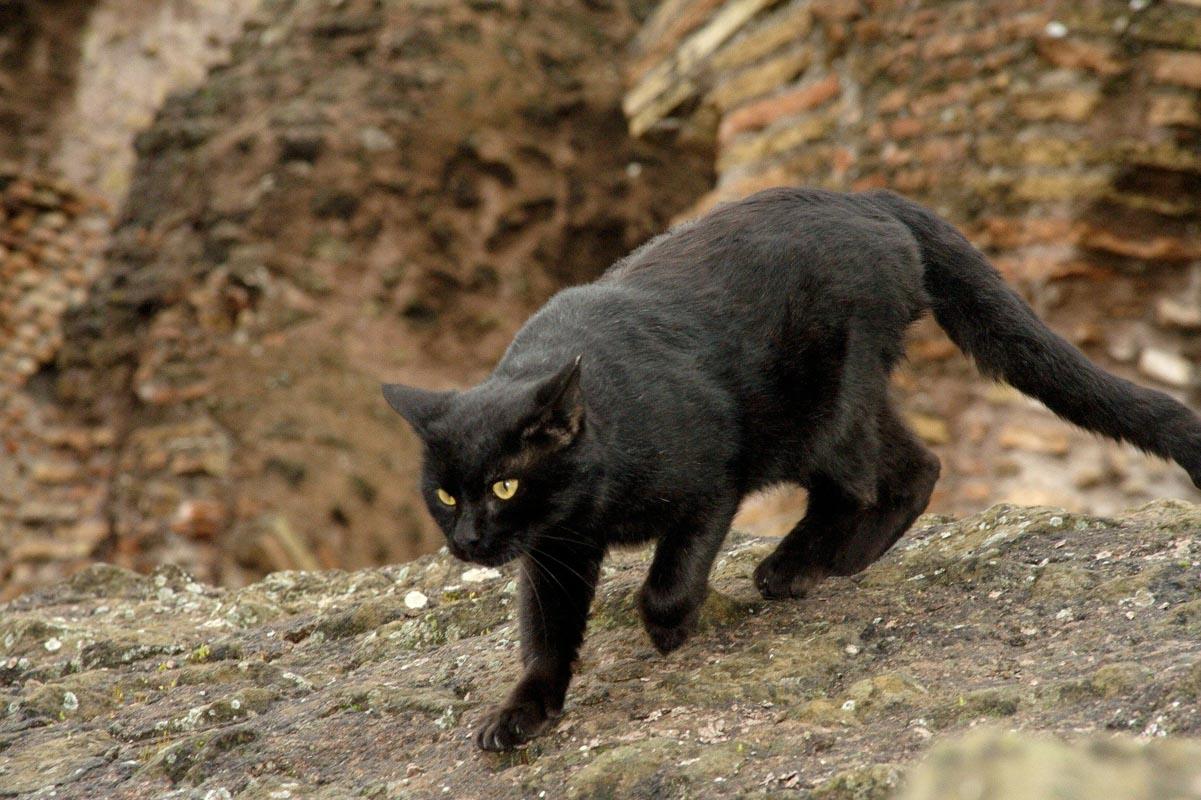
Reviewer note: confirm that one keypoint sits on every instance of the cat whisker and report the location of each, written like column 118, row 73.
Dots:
column 579, row 542
column 547, row 571
column 565, row 565
column 562, row 526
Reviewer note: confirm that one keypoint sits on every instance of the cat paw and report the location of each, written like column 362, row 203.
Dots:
column 777, row 580
column 668, row 638
column 668, row 620
column 506, row 728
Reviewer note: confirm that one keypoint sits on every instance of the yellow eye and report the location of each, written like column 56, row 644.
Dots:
column 505, row 489
column 445, row 497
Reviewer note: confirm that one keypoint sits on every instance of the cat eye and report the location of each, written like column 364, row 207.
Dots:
column 505, row 489
column 445, row 497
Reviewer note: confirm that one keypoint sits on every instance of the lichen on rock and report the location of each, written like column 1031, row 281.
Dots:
column 329, row 684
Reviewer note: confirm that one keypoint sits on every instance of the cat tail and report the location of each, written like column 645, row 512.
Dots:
column 995, row 326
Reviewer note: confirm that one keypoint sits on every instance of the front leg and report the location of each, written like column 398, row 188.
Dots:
column 557, row 585
column 670, row 600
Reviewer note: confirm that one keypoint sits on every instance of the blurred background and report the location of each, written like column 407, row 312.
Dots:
column 224, row 222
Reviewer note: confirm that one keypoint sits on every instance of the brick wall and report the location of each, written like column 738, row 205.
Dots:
column 54, row 468
column 1062, row 137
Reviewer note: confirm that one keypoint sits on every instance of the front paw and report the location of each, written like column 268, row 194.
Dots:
column 669, row 622
column 666, row 638
column 506, row 728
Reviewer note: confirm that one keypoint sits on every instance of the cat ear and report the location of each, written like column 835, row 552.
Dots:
column 559, row 404
column 419, row 407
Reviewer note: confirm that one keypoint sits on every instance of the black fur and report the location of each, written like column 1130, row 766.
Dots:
column 745, row 349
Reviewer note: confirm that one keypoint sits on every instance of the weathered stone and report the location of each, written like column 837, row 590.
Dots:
column 38, row 762
column 1072, row 105
column 773, row 141
column 1072, row 53
column 931, row 429
column 1049, row 442
column 38, row 512
column 1009, row 766
column 308, row 153
column 1179, row 313
column 759, row 80
column 1031, row 617
column 301, row 145
column 1174, row 109
column 1064, row 186
column 656, row 109
column 199, row 518
column 667, row 26
column 56, row 471
column 990, row 702
column 762, row 112
column 269, row 543
column 785, row 27
column 1156, row 248
column 876, row 782
column 1166, row 367
column 1177, row 67
column 664, row 79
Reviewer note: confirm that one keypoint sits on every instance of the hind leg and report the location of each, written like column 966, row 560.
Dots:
column 841, row 534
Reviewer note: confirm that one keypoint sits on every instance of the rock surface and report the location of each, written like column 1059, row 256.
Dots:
column 1011, row 767
column 367, row 684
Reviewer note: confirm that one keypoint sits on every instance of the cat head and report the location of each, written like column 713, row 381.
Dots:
column 500, row 460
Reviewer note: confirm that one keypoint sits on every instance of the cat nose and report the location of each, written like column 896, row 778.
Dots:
column 465, row 534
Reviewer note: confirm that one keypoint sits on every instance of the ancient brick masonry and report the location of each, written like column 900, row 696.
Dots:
column 1017, row 105
column 80, row 79
column 1062, row 137
column 53, row 473
column 339, row 204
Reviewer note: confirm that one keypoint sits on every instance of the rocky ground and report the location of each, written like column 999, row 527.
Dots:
column 367, row 684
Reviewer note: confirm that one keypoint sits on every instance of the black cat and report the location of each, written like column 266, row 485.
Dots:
column 748, row 348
